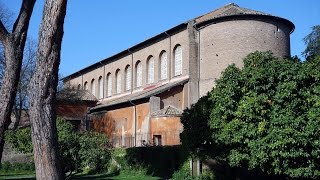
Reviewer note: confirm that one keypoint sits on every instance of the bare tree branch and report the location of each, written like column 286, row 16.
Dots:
column 3, row 32
column 22, row 23
column 13, row 44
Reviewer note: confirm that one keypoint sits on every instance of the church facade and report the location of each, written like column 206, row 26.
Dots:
column 143, row 90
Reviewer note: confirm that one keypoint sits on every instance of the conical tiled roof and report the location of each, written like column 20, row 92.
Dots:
column 228, row 10
column 168, row 111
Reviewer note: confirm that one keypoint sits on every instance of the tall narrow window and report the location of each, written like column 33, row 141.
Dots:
column 85, row 87
column 79, row 86
column 138, row 74
column 128, row 78
column 100, row 84
column 93, row 87
column 109, row 85
column 118, row 81
column 178, row 61
column 150, row 70
column 163, row 66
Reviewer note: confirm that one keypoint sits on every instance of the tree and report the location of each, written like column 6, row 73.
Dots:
column 196, row 135
column 13, row 45
column 6, row 18
column 77, row 151
column 266, row 115
column 28, row 66
column 312, row 41
column 42, row 91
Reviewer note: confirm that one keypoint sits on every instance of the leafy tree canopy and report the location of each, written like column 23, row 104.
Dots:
column 196, row 135
column 267, row 115
column 312, row 41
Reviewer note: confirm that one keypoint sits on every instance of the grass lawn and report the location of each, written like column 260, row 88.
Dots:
column 17, row 175
column 124, row 174
column 134, row 175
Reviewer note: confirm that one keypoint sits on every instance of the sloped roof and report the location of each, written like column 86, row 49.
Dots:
column 76, row 95
column 230, row 9
column 167, row 111
column 146, row 93
column 233, row 10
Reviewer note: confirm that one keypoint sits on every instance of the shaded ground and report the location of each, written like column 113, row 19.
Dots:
column 123, row 175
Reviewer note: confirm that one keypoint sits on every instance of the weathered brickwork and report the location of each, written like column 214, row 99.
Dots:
column 209, row 44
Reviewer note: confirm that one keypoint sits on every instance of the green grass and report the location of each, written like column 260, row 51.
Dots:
column 17, row 175
column 124, row 174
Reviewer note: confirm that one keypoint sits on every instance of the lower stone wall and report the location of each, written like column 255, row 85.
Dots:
column 10, row 155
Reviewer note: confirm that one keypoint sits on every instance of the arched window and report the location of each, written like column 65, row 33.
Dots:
column 138, row 74
column 163, row 66
column 178, row 60
column 85, row 87
column 93, row 87
column 128, row 78
column 118, row 81
column 150, row 70
column 79, row 86
column 109, row 85
column 100, row 85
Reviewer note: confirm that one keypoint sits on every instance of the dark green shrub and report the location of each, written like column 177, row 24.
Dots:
column 265, row 116
column 20, row 139
column 159, row 161
column 68, row 146
column 93, row 151
column 6, row 166
column 17, row 167
column 87, row 151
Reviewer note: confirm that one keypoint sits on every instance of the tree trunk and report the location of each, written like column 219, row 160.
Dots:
column 13, row 50
column 42, row 92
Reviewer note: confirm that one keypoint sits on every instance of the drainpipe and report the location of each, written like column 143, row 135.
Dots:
column 131, row 69
column 103, row 81
column 199, row 56
column 169, row 56
column 135, row 122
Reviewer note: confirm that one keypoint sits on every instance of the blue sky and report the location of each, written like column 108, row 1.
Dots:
column 97, row 29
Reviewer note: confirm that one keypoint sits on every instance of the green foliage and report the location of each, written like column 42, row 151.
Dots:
column 68, row 146
column 20, row 139
column 16, row 167
column 160, row 161
column 93, row 151
column 185, row 173
column 196, row 135
column 266, row 115
column 77, row 151
column 312, row 41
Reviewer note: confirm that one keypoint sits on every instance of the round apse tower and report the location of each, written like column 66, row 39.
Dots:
column 230, row 33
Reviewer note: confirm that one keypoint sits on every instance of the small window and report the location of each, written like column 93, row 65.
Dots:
column 138, row 74
column 163, row 66
column 178, row 61
column 79, row 86
column 128, row 78
column 109, row 85
column 118, row 81
column 93, row 87
column 150, row 69
column 100, row 84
